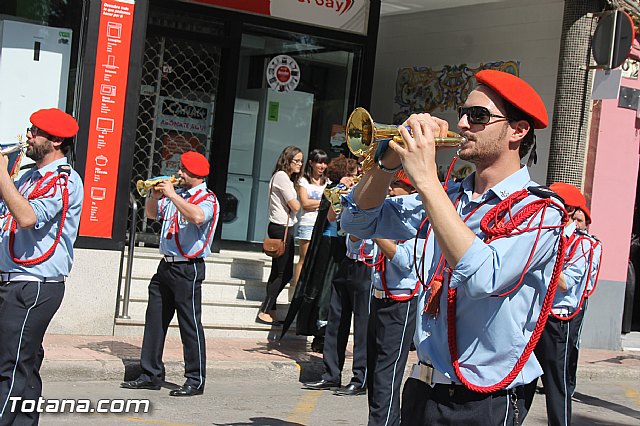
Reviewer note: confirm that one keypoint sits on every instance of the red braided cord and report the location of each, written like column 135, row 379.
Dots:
column 382, row 270
column 544, row 313
column 572, row 251
column 364, row 257
column 40, row 192
column 595, row 283
column 210, row 233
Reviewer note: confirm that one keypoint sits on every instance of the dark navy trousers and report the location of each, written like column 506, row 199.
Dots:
column 389, row 335
column 176, row 287
column 350, row 293
column 26, row 309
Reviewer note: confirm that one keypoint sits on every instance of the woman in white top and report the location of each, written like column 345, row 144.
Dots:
column 310, row 191
column 283, row 207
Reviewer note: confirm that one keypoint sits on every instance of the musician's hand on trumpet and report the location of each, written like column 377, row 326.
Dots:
column 4, row 164
column 165, row 188
column 418, row 150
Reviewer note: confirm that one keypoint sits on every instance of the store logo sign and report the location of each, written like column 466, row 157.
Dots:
column 340, row 7
column 283, row 73
column 184, row 109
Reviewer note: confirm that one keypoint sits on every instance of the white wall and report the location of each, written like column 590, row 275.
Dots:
column 519, row 30
column 89, row 303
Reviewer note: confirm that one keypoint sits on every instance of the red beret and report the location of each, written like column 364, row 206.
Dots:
column 195, row 163
column 55, row 122
column 401, row 176
column 569, row 193
column 518, row 93
column 587, row 213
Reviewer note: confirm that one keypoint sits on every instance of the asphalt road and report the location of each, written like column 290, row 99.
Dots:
column 275, row 401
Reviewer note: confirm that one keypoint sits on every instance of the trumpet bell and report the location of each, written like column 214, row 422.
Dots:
column 360, row 132
column 364, row 134
column 144, row 186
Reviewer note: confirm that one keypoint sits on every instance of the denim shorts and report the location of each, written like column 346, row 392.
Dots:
column 304, row 232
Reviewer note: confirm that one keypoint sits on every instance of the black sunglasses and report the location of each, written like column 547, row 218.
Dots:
column 36, row 131
column 478, row 114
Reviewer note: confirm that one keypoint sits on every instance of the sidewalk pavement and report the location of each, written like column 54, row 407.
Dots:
column 116, row 358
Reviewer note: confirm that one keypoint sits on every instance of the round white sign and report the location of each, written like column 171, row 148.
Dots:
column 283, row 73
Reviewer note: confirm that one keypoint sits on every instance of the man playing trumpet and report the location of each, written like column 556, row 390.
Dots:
column 189, row 218
column 485, row 281
column 40, row 215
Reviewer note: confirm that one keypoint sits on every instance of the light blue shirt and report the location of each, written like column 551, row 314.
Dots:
column 330, row 229
column 361, row 250
column 400, row 272
column 576, row 270
column 192, row 237
column 595, row 263
column 31, row 243
column 491, row 331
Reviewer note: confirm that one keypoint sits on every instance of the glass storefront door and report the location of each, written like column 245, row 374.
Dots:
column 292, row 89
column 177, row 103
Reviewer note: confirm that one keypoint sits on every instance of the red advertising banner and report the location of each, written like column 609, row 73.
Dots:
column 107, row 112
column 346, row 15
column 254, row 6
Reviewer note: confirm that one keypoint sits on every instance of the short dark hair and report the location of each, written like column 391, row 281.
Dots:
column 516, row 114
column 66, row 145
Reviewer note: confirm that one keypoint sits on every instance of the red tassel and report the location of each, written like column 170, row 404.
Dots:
column 433, row 303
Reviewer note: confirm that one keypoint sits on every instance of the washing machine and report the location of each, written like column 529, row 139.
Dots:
column 235, row 206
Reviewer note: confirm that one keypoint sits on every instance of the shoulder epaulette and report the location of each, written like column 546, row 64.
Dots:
column 64, row 168
column 544, row 192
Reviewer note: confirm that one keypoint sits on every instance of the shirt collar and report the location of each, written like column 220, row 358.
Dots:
column 503, row 189
column 51, row 167
column 190, row 192
column 570, row 229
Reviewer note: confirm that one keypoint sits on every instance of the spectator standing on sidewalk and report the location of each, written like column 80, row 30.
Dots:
column 326, row 251
column 283, row 207
column 310, row 192
column 189, row 218
column 39, row 224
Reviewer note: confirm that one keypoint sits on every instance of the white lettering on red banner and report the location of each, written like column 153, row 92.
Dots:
column 107, row 113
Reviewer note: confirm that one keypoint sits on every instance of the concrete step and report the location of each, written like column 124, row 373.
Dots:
column 135, row 327
column 222, row 289
column 240, row 313
column 232, row 292
column 145, row 265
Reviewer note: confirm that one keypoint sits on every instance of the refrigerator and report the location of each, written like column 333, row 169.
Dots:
column 284, row 119
column 236, row 205
column 34, row 73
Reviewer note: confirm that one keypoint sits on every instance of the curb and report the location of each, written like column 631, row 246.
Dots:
column 129, row 369
column 122, row 370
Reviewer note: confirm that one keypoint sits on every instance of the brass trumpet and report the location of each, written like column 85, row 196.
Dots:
column 14, row 162
column 145, row 186
column 333, row 194
column 364, row 135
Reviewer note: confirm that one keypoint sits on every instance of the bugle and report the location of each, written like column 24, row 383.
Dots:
column 144, row 186
column 14, row 148
column 364, row 136
column 13, row 165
